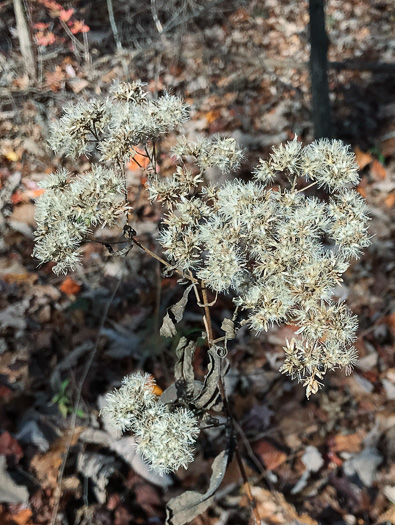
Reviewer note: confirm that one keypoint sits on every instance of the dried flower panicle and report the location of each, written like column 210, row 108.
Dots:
column 280, row 252
column 115, row 126
column 77, row 129
column 221, row 153
column 68, row 210
column 165, row 437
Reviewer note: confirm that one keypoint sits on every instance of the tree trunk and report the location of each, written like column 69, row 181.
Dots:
column 318, row 70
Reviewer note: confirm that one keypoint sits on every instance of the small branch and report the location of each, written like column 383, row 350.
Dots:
column 155, row 16
column 207, row 319
column 25, row 40
column 307, row 187
column 113, row 25
column 165, row 263
column 76, row 42
column 321, row 109
column 247, row 488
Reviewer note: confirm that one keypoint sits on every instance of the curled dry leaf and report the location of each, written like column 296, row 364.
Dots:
column 183, row 370
column 228, row 327
column 168, row 328
column 185, row 508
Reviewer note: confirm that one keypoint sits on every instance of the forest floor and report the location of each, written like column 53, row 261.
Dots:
column 68, row 340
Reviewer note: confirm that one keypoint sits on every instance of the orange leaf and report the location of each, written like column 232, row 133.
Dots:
column 156, row 389
column 78, row 27
column 361, row 191
column 69, row 286
column 45, row 39
column 390, row 200
column 213, row 115
column 139, row 159
column 377, row 171
column 17, row 197
column 346, row 443
column 11, row 156
column 55, row 79
column 22, row 517
column 271, row 456
column 362, row 158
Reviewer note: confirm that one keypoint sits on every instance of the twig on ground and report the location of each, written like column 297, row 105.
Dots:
column 88, row 364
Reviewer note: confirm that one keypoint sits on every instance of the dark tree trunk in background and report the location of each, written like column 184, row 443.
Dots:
column 318, row 70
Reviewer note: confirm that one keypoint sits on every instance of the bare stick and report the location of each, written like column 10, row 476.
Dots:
column 113, row 25
column 25, row 40
column 155, row 16
column 307, row 187
column 207, row 313
column 76, row 42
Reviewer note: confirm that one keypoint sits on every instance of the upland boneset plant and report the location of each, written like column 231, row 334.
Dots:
column 274, row 247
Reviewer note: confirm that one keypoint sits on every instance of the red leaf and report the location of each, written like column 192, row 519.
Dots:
column 9, row 446
column 45, row 39
column 65, row 15
column 78, row 27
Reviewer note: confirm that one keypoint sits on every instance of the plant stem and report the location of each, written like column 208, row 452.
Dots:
column 210, row 339
column 113, row 25
column 207, row 314
column 165, row 263
column 307, row 187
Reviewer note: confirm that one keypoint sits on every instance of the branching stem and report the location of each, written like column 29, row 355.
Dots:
column 165, row 263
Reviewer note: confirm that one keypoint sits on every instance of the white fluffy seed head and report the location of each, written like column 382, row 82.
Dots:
column 165, row 438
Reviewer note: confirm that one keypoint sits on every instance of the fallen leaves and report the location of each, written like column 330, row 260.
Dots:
column 346, row 443
column 15, row 516
column 271, row 456
column 377, row 171
column 9, row 446
column 70, row 287
column 46, row 466
column 362, row 158
column 273, row 508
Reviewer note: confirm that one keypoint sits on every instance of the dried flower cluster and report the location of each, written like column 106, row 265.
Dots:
column 70, row 207
column 115, row 126
column 280, row 252
column 165, row 437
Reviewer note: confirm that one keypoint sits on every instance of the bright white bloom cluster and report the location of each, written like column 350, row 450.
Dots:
column 165, row 437
column 70, row 207
column 279, row 251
